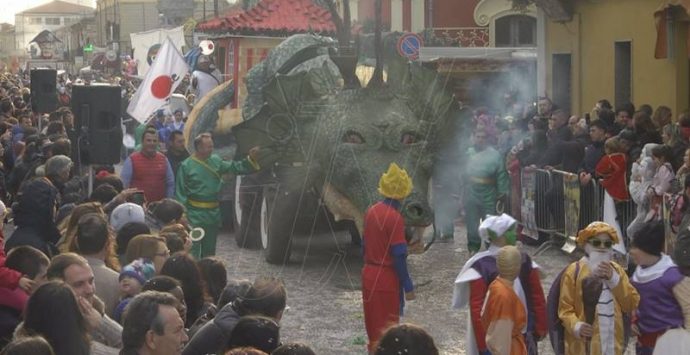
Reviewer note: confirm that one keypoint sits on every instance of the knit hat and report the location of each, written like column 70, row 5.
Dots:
column 496, row 225
column 508, row 262
column 139, row 269
column 126, row 213
column 593, row 229
column 650, row 238
column 395, row 183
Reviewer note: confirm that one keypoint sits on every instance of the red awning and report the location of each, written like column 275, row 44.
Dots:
column 271, row 16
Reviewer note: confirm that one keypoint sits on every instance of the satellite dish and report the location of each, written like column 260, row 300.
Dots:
column 207, row 47
column 110, row 55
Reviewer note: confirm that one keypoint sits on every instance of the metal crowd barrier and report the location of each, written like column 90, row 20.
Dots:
column 552, row 202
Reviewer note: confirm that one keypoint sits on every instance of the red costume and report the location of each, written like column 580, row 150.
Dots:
column 612, row 168
column 383, row 281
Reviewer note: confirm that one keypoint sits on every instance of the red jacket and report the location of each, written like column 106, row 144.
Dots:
column 8, row 278
column 612, row 169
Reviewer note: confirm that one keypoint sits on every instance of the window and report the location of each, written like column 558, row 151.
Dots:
column 53, row 21
column 516, row 31
column 35, row 20
column 561, row 80
column 623, row 73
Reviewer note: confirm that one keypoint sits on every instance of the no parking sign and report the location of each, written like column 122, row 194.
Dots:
column 409, row 44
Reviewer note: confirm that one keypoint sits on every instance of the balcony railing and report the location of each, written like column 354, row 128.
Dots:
column 458, row 37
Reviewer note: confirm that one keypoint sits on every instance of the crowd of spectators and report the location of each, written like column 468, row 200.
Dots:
column 638, row 155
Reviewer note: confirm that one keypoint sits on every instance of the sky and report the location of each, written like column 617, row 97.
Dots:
column 11, row 7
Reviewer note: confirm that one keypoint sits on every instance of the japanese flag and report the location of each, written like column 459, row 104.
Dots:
column 165, row 74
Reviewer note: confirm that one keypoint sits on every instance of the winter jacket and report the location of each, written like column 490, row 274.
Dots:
column 35, row 217
column 213, row 336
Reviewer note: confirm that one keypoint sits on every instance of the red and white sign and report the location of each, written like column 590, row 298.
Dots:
column 165, row 74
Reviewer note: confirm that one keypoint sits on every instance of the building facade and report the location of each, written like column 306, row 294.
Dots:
column 50, row 16
column 624, row 51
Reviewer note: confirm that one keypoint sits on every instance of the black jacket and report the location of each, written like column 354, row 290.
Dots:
column 212, row 336
column 34, row 216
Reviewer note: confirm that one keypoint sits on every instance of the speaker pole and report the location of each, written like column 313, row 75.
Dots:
column 90, row 179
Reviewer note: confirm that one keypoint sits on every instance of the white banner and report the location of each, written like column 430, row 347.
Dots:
column 147, row 44
column 166, row 73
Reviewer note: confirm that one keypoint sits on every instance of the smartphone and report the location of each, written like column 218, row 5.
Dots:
column 138, row 198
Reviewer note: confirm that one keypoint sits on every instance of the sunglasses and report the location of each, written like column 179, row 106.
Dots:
column 597, row 243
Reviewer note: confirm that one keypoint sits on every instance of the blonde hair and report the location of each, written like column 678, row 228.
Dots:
column 613, row 145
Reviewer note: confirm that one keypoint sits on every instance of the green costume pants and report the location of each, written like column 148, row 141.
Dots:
column 480, row 200
column 207, row 246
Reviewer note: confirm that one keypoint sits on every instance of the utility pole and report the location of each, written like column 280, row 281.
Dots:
column 215, row 8
column 204, row 10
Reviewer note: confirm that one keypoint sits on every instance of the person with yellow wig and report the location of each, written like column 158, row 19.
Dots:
column 384, row 275
column 595, row 293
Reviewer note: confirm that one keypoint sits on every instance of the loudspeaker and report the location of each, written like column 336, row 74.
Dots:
column 98, row 119
column 43, row 90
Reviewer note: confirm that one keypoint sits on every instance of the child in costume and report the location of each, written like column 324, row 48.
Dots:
column 384, row 275
column 612, row 169
column 132, row 278
column 661, row 183
column 480, row 271
column 658, row 280
column 642, row 174
column 502, row 317
column 593, row 321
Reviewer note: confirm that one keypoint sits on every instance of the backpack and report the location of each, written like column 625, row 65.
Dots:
column 556, row 329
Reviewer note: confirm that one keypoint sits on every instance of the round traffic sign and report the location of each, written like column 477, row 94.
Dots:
column 409, row 44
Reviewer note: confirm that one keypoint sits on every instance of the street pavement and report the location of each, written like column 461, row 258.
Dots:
column 324, row 296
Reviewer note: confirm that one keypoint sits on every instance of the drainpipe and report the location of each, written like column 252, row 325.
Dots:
column 430, row 19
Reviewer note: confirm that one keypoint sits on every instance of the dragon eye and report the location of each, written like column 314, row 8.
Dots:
column 408, row 138
column 353, row 138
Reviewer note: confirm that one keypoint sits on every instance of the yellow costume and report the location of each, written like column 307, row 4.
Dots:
column 571, row 307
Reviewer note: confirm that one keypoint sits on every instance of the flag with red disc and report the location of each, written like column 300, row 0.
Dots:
column 166, row 73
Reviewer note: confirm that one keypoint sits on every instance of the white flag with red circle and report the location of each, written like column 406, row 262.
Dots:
column 165, row 74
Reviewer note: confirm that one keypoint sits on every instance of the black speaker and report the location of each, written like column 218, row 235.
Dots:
column 43, row 90
column 97, row 118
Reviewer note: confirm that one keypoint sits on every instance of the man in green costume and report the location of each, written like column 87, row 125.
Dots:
column 198, row 186
column 486, row 182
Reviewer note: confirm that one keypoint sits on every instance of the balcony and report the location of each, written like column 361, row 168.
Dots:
column 457, row 37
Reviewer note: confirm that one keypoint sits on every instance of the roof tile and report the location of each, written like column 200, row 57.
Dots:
column 291, row 16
